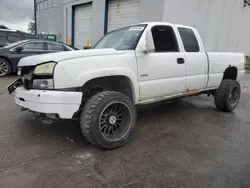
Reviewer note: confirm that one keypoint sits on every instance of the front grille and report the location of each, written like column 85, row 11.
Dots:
column 27, row 84
column 27, row 73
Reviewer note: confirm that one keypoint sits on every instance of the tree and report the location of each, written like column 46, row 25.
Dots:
column 3, row 27
column 31, row 26
column 246, row 2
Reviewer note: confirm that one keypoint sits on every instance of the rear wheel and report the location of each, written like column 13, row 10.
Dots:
column 5, row 68
column 228, row 95
column 108, row 119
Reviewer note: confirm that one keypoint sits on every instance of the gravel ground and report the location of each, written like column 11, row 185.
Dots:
column 188, row 144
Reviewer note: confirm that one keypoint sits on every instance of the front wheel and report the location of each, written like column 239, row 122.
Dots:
column 227, row 96
column 5, row 68
column 108, row 119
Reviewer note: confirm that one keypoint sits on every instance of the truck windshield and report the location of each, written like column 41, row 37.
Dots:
column 122, row 39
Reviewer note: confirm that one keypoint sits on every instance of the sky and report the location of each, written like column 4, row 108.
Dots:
column 16, row 14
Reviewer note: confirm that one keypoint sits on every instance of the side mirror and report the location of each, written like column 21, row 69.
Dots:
column 19, row 49
column 149, row 45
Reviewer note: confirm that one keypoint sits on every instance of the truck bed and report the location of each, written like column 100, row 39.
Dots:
column 219, row 62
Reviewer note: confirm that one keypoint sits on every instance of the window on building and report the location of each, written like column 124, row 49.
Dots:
column 50, row 3
column 41, row 6
column 33, row 46
column 54, row 2
column 55, row 47
column 189, row 40
column 14, row 37
column 45, row 4
column 164, row 39
column 37, row 6
column 3, row 40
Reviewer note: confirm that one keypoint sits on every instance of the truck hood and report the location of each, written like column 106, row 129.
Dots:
column 60, row 56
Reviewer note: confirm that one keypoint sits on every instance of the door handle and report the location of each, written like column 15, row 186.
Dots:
column 180, row 60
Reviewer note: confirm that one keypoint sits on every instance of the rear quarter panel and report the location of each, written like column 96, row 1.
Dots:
column 219, row 62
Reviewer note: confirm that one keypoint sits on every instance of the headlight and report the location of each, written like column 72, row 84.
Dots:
column 45, row 69
column 43, row 84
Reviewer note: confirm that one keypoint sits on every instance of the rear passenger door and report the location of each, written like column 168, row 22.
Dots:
column 54, row 47
column 195, row 59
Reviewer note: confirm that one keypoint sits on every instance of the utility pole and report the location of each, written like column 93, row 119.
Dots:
column 35, row 17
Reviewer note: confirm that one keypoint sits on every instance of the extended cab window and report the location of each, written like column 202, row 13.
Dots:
column 164, row 39
column 189, row 40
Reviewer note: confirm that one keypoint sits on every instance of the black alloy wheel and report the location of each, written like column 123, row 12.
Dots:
column 108, row 119
column 5, row 68
column 227, row 96
column 115, row 121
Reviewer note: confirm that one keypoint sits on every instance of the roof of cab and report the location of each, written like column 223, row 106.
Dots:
column 161, row 23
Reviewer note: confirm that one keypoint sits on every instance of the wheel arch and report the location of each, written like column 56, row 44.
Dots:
column 230, row 73
column 119, row 80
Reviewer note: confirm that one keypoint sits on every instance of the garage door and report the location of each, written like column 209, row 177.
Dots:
column 83, row 25
column 122, row 13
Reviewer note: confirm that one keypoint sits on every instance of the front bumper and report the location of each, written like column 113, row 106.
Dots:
column 64, row 104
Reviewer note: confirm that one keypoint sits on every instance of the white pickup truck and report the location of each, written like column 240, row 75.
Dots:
column 138, row 64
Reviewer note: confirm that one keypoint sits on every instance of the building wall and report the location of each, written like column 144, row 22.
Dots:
column 58, row 20
column 151, row 11
column 98, row 8
column 50, row 20
column 98, row 18
column 223, row 25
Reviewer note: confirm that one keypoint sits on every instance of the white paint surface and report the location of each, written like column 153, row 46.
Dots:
column 160, row 75
column 196, row 63
column 219, row 62
column 111, row 63
column 65, row 104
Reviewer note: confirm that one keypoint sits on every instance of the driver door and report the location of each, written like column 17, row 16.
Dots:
column 162, row 72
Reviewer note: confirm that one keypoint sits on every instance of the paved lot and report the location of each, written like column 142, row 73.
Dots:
column 189, row 144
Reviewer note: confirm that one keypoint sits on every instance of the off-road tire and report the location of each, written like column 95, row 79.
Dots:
column 8, row 67
column 222, row 94
column 89, row 120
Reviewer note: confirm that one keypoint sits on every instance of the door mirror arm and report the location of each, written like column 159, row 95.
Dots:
column 144, row 48
column 146, row 51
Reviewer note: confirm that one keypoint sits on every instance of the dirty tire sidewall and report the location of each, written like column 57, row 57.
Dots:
column 9, row 67
column 222, row 94
column 91, row 114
